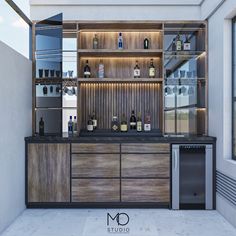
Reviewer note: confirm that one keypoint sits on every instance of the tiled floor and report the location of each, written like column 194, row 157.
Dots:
column 142, row 222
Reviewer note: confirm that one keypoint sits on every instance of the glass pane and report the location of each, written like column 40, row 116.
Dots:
column 170, row 122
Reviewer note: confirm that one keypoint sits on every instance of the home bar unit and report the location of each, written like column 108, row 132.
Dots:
column 138, row 94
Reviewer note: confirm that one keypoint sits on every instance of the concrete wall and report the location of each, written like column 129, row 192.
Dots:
column 15, row 124
column 220, row 101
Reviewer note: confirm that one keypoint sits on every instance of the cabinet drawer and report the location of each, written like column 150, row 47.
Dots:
column 95, row 148
column 145, row 148
column 95, row 190
column 145, row 165
column 95, row 165
column 145, row 190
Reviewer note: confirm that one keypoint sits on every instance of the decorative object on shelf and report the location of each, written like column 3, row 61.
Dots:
column 41, row 127
column 90, row 124
column 168, row 91
column 70, row 126
column 182, row 73
column 51, row 89
column 101, row 70
column 133, row 121
column 95, row 42
column 45, row 90
column 173, row 46
column 46, row 73
column 175, row 89
column 58, row 73
column 189, row 74
column 147, row 122
column 70, row 72
column 123, row 124
column 178, row 43
column 58, row 89
column 52, row 73
column 75, row 125
column 120, row 41
column 146, row 43
column 187, row 44
column 65, row 74
column 40, row 73
column 191, row 90
column 87, row 71
column 176, row 74
column 94, row 119
column 115, row 124
column 136, row 71
column 152, row 70
column 139, row 122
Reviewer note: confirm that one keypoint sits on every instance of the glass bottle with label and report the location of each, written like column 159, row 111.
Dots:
column 115, row 124
column 178, row 43
column 95, row 42
column 133, row 122
column 94, row 119
column 146, row 43
column 139, row 122
column 147, row 122
column 90, row 125
column 173, row 45
column 41, row 127
column 75, row 125
column 70, row 126
column 123, row 124
column 152, row 70
column 87, row 71
column 187, row 44
column 101, row 70
column 120, row 41
column 136, row 71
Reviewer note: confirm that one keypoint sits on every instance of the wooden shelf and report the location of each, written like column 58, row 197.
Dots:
column 116, row 80
column 120, row 52
column 183, row 53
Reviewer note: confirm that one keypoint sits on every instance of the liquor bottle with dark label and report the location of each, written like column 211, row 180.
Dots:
column 173, row 45
column 95, row 42
column 114, row 124
column 133, row 121
column 139, row 122
column 41, row 127
column 152, row 70
column 120, row 41
column 87, row 71
column 136, row 71
column 178, row 43
column 123, row 124
column 101, row 70
column 70, row 126
column 146, row 43
column 147, row 122
column 94, row 119
column 90, row 124
column 187, row 44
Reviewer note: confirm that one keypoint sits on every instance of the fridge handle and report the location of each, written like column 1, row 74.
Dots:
column 175, row 160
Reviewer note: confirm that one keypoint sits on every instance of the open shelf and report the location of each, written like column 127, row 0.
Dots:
column 125, row 80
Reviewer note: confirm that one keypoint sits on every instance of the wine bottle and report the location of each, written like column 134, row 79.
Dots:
column 90, row 124
column 146, row 43
column 133, row 122
column 178, row 43
column 147, row 122
column 101, row 70
column 136, row 71
column 187, row 45
column 70, row 126
column 173, row 45
column 95, row 42
column 41, row 127
column 94, row 119
column 123, row 124
column 75, row 125
column 152, row 70
column 115, row 124
column 139, row 122
column 120, row 41
column 87, row 71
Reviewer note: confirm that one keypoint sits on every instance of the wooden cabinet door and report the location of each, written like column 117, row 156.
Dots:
column 48, row 173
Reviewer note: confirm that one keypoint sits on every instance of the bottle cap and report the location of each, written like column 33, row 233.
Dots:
column 70, row 117
column 74, row 117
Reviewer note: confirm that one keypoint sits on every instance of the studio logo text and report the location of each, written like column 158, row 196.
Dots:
column 118, row 223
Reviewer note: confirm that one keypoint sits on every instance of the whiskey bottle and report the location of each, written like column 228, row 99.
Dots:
column 87, row 71
column 147, row 122
column 95, row 42
column 114, row 124
column 152, row 70
column 139, row 122
column 146, row 43
column 173, row 45
column 178, row 43
column 70, row 126
column 132, row 122
column 94, row 119
column 123, row 124
column 90, row 124
column 187, row 45
column 41, row 127
column 120, row 41
column 136, row 71
column 101, row 70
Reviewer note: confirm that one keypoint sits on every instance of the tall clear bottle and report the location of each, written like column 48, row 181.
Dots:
column 70, row 126
column 120, row 41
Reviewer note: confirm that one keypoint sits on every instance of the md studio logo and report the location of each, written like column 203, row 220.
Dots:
column 118, row 223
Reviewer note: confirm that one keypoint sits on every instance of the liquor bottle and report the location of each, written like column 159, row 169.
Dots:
column 41, row 127
column 75, row 125
column 146, row 43
column 123, row 124
column 136, row 71
column 70, row 126
column 94, row 119
column 87, row 71
column 174, row 45
column 152, row 70
column 178, row 43
column 139, row 122
column 187, row 44
column 147, row 122
column 132, row 121
column 120, row 41
column 90, row 124
column 114, row 124
column 101, row 70
column 95, row 42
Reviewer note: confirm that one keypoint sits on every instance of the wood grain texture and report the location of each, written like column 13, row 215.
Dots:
column 95, row 190
column 145, row 165
column 145, row 148
column 48, row 172
column 95, row 148
column 109, row 99
column 95, row 165
column 145, row 190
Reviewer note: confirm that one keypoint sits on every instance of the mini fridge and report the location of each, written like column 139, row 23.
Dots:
column 192, row 176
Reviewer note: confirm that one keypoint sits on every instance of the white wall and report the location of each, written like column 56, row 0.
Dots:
column 15, row 124
column 220, row 85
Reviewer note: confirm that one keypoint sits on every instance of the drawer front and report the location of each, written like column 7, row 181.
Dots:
column 95, row 148
column 95, row 190
column 145, row 190
column 95, row 165
column 145, row 165
column 145, row 148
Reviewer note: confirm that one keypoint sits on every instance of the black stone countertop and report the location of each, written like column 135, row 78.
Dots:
column 113, row 139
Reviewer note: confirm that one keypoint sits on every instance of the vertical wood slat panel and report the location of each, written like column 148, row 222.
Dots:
column 108, row 99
